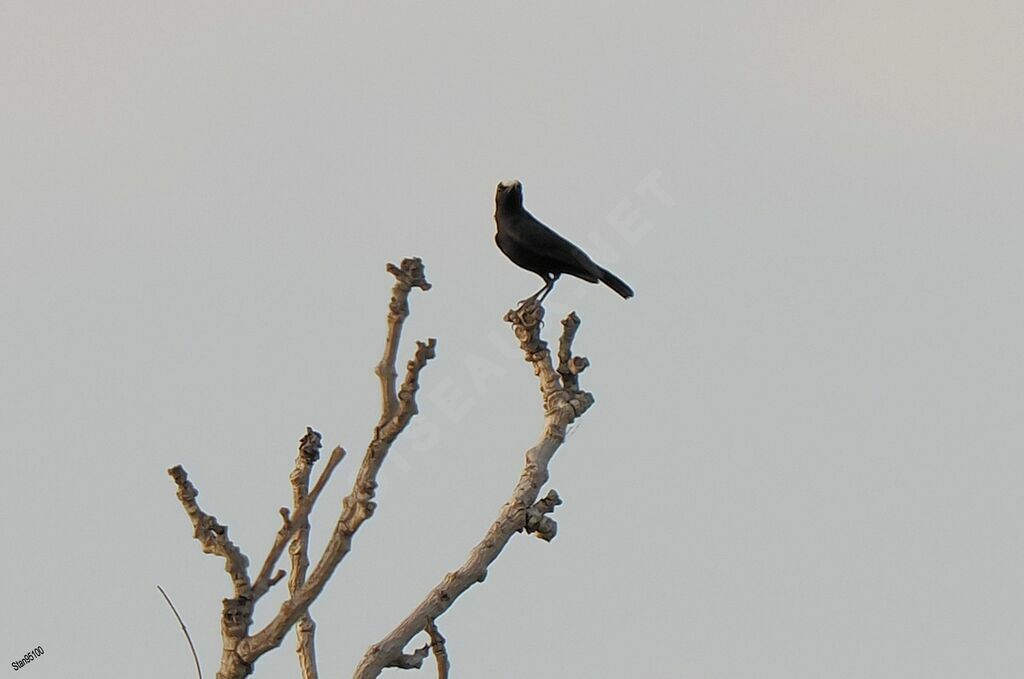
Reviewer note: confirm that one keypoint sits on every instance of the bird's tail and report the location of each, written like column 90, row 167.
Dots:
column 616, row 284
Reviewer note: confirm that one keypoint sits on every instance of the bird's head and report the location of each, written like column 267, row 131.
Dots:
column 509, row 194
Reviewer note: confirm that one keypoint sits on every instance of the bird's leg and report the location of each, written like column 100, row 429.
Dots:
column 548, row 288
column 545, row 289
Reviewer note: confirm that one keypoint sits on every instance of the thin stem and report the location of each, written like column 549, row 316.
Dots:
column 187, row 637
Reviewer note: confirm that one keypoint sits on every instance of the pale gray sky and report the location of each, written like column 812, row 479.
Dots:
column 805, row 457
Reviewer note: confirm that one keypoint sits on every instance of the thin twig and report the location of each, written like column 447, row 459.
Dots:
column 187, row 637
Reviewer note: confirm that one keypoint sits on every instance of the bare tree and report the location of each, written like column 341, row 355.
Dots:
column 563, row 402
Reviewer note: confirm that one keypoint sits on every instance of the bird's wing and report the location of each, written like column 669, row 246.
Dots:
column 543, row 241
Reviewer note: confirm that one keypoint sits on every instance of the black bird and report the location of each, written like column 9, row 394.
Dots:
column 535, row 247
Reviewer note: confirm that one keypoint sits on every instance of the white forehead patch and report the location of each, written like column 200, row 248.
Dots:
column 508, row 183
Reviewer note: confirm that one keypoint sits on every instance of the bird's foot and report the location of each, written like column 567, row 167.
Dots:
column 524, row 303
column 528, row 314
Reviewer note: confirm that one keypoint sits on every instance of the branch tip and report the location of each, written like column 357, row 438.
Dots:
column 411, row 273
column 309, row 446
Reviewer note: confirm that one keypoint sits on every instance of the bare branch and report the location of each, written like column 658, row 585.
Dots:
column 410, row 275
column 358, row 506
column 526, row 322
column 236, row 614
column 305, row 632
column 299, row 519
column 240, row 649
column 569, row 366
column 211, row 535
column 305, row 628
column 563, row 403
column 440, row 652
